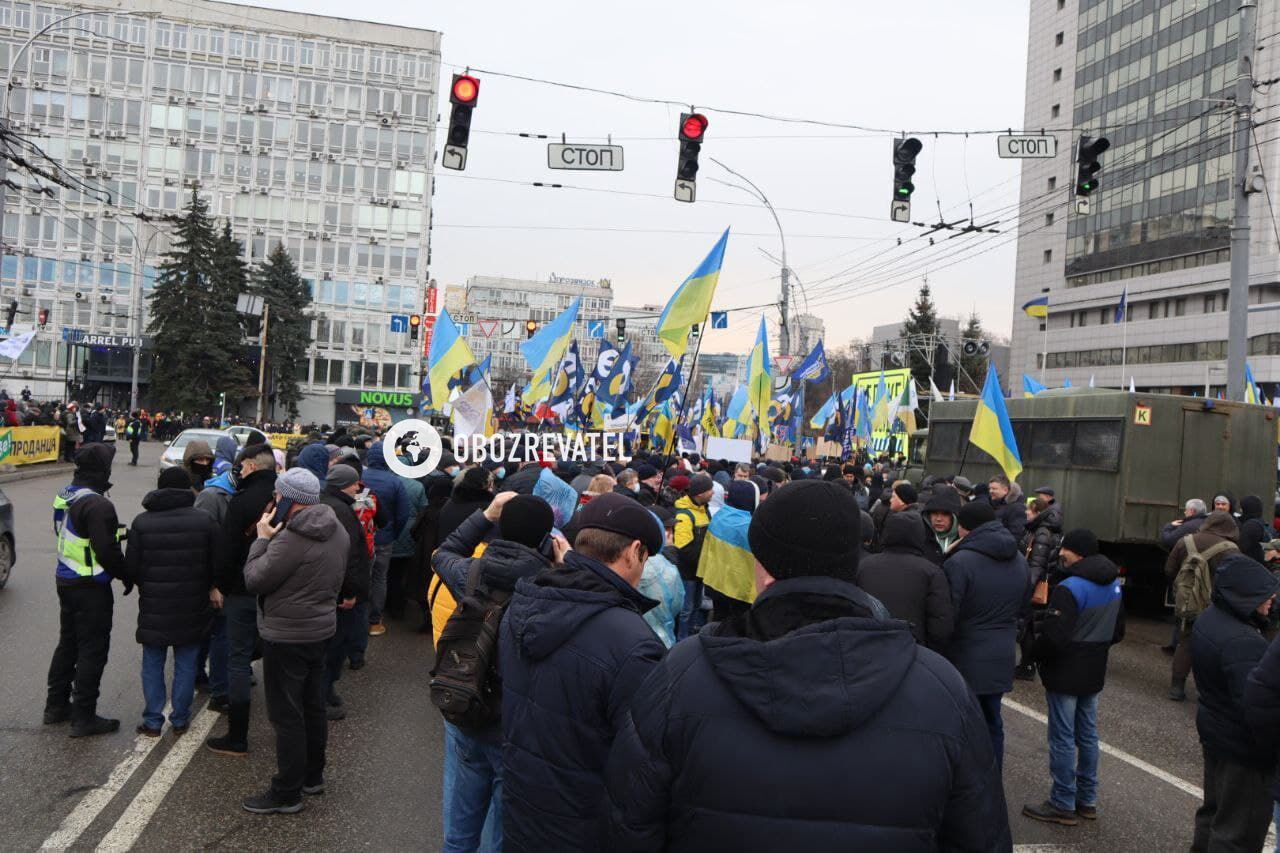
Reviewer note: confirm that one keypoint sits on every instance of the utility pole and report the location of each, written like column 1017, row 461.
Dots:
column 1238, row 298
column 262, row 364
column 784, row 334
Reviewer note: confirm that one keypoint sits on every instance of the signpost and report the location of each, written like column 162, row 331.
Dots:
column 595, row 328
column 586, row 158
column 399, row 322
column 900, row 211
column 1025, row 146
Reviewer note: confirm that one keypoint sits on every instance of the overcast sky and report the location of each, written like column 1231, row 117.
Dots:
column 923, row 65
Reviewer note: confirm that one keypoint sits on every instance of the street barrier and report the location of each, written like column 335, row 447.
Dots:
column 27, row 445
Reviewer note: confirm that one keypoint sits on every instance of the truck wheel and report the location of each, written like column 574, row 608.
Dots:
column 6, row 560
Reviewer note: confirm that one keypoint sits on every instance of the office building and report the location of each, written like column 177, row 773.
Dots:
column 312, row 131
column 723, row 371
column 1151, row 77
column 809, row 329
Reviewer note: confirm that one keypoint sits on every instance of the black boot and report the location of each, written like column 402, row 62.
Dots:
column 1178, row 688
column 236, row 740
column 94, row 725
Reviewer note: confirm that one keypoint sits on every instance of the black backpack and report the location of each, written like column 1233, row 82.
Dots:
column 465, row 684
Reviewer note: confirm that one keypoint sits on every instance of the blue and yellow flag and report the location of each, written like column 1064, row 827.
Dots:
column 1030, row 387
column 612, row 393
column 1038, row 307
column 991, row 428
column 449, row 355
column 760, row 378
column 726, row 563
column 863, row 428
column 710, row 427
column 1251, row 392
column 545, row 349
column 691, row 302
column 664, row 427
column 737, row 414
column 880, row 419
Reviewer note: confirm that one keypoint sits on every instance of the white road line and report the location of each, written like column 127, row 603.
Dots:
column 125, row 833
column 92, row 804
column 1041, row 848
column 1132, row 760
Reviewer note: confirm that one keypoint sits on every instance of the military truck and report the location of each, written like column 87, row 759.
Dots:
column 1122, row 464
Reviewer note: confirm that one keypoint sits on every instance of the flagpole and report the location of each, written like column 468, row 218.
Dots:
column 684, row 401
column 1044, row 355
column 1124, row 342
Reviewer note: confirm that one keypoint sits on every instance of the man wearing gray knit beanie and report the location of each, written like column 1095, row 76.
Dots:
column 296, row 567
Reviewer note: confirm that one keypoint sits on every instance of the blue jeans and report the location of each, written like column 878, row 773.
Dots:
column 692, row 617
column 241, row 612
column 1073, row 750
column 378, row 582
column 218, row 651
column 472, row 793
column 990, row 704
column 184, row 684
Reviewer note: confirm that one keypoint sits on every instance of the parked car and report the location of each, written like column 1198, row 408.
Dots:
column 172, row 456
column 110, row 435
column 247, row 434
column 7, row 551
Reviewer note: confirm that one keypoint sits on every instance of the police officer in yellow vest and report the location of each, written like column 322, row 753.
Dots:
column 89, row 556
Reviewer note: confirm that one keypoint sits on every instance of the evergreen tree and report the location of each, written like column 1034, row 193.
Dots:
column 225, row 357
column 289, row 328
column 918, row 329
column 177, row 309
column 974, row 366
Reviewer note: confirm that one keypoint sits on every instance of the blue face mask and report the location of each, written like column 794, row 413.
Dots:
column 500, row 473
column 451, row 471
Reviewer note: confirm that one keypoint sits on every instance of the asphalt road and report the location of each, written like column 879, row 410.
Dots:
column 122, row 792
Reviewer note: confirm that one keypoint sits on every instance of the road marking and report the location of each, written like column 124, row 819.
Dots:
column 1041, row 848
column 1133, row 760
column 92, row 804
column 125, row 833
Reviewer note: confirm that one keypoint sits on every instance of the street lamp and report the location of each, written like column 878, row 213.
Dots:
column 784, row 332
column 135, row 300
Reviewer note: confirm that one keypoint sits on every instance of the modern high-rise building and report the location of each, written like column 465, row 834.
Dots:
column 1152, row 77
column 810, row 329
column 313, row 131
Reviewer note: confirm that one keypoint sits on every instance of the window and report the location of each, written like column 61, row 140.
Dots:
column 1055, row 111
column 1062, row 4
column 1052, row 182
column 1097, row 445
column 1180, row 306
column 1057, row 75
column 1048, row 218
column 1048, row 256
column 1057, row 40
column 1051, row 442
column 1211, row 303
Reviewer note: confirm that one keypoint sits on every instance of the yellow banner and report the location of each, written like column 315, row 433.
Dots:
column 25, row 445
column 895, row 381
column 280, row 440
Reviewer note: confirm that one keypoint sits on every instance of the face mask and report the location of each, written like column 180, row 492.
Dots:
column 636, row 488
column 500, row 473
column 451, row 471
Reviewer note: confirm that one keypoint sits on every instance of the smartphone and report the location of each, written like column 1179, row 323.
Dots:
column 282, row 511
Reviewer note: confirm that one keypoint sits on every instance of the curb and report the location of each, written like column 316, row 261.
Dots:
column 43, row 469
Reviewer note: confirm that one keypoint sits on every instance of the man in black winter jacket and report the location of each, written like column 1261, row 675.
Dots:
column 574, row 649
column 341, row 486
column 523, row 523
column 911, row 587
column 1226, row 644
column 1262, row 710
column 744, row 736
column 1084, row 618
column 172, row 551
column 89, row 557
column 1010, row 508
column 990, row 584
column 256, row 466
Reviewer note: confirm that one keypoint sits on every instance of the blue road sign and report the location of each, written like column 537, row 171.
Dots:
column 719, row 319
column 399, row 322
column 595, row 328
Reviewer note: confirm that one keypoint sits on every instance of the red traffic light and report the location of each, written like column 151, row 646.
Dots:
column 43, row 316
column 465, row 90
column 693, row 126
column 415, row 320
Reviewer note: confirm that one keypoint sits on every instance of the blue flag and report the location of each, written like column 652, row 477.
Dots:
column 814, row 367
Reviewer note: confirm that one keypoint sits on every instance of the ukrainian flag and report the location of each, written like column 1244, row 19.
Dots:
column 1030, row 387
column 760, row 378
column 448, row 356
column 664, row 427
column 991, row 428
column 862, row 427
column 726, row 563
column 737, row 415
column 691, row 302
column 545, row 349
column 1251, row 393
column 880, row 409
column 1038, row 307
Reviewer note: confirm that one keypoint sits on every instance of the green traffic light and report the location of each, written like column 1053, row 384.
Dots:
column 903, row 191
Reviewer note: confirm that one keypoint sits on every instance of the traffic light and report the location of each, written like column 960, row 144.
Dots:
column 415, row 323
column 1087, row 165
column 530, row 328
column 464, row 94
column 693, row 127
column 42, row 317
column 904, row 166
column 622, row 330
column 11, row 313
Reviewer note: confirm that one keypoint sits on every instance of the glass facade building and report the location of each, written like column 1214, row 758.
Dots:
column 313, row 132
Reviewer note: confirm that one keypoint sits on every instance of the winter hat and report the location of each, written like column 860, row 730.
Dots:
column 679, row 483
column 644, row 471
column 298, row 485
column 810, row 527
column 526, row 519
column 173, row 478
column 1273, row 545
column 975, row 514
column 774, row 475
column 1045, row 490
column 1251, row 506
column 341, row 476
column 962, row 484
column 906, row 493
column 1080, row 541
column 700, row 484
column 475, row 478
column 743, row 494
column 624, row 516
column 944, row 499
